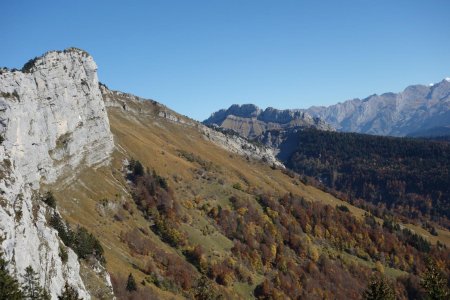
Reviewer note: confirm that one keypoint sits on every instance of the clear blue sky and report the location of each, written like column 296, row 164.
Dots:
column 199, row 56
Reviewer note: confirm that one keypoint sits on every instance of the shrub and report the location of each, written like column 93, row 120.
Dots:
column 29, row 65
column 49, row 199
column 237, row 186
column 69, row 293
column 131, row 284
column 63, row 254
column 343, row 208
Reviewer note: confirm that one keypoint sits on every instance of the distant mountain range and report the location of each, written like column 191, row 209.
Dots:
column 251, row 122
column 419, row 110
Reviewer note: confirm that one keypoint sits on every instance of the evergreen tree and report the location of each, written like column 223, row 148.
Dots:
column 50, row 200
column 31, row 287
column 435, row 283
column 9, row 287
column 131, row 283
column 379, row 289
column 69, row 293
column 45, row 295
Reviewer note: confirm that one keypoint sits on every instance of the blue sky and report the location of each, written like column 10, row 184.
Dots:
column 199, row 56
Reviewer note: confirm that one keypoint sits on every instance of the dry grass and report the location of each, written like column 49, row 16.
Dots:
column 156, row 142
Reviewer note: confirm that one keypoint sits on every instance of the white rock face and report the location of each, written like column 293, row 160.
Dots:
column 53, row 119
column 240, row 146
column 251, row 122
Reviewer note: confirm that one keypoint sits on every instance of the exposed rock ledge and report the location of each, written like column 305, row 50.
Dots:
column 232, row 143
column 53, row 120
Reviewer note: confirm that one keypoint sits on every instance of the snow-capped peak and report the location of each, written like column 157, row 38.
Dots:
column 447, row 79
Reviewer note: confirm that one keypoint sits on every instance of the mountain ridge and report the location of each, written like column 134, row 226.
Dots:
column 417, row 108
column 184, row 209
column 250, row 121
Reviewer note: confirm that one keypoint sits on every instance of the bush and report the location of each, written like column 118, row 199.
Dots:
column 343, row 208
column 29, row 65
column 69, row 293
column 63, row 254
column 131, row 284
column 237, row 186
column 50, row 200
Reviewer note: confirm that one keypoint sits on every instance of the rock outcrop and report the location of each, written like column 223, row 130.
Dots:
column 251, row 122
column 418, row 110
column 222, row 138
column 52, row 121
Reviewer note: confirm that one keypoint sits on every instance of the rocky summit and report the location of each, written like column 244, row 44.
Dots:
column 251, row 122
column 419, row 110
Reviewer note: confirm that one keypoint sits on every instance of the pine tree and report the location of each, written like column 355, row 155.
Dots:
column 434, row 282
column 131, row 283
column 379, row 289
column 31, row 287
column 69, row 293
column 9, row 287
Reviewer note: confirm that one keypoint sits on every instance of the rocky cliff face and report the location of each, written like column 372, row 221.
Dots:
column 418, row 109
column 53, row 121
column 251, row 122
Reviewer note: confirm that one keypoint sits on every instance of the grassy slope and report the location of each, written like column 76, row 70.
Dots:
column 156, row 143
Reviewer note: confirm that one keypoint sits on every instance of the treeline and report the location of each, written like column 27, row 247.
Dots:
column 410, row 177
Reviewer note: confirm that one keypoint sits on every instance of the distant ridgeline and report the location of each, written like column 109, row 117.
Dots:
column 408, row 176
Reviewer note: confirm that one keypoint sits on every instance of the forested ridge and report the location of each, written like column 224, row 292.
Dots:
column 404, row 175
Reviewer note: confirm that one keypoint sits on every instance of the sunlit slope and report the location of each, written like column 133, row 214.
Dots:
column 199, row 173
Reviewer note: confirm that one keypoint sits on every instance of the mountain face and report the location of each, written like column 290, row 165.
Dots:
column 181, row 209
column 251, row 122
column 417, row 111
column 54, row 126
column 52, row 121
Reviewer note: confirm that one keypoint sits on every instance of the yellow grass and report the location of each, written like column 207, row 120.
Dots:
column 156, row 143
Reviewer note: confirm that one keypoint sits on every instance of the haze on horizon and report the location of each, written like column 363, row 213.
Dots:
column 199, row 56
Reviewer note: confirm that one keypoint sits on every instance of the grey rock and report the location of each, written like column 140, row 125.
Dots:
column 417, row 109
column 53, row 121
column 251, row 122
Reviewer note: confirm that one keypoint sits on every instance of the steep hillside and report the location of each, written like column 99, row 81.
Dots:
column 177, row 209
column 417, row 111
column 200, row 176
column 251, row 122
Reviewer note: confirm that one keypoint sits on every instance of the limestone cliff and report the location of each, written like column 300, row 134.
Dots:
column 52, row 121
column 251, row 122
column 417, row 111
